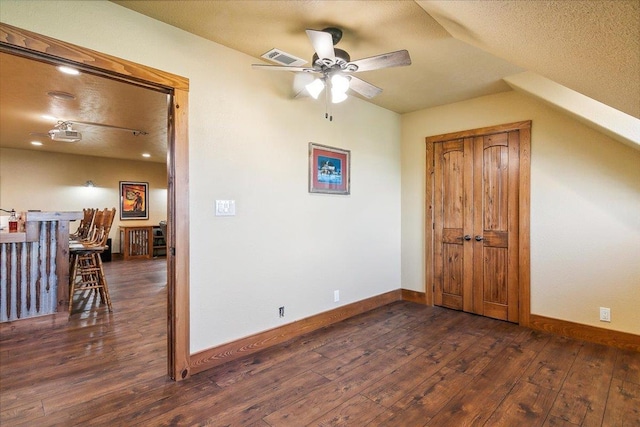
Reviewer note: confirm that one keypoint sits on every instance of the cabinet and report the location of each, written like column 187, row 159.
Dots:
column 159, row 242
column 145, row 241
column 135, row 242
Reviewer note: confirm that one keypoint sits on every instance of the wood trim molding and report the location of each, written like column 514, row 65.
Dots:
column 29, row 42
column 414, row 296
column 246, row 346
column 429, row 220
column 526, row 124
column 524, row 224
column 178, row 255
column 224, row 353
column 589, row 333
column 25, row 43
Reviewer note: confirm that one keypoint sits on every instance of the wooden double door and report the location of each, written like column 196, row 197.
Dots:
column 474, row 184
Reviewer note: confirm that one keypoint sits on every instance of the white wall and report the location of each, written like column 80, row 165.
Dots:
column 585, row 208
column 249, row 142
column 55, row 182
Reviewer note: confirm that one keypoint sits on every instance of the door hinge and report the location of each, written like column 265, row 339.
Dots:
column 173, row 251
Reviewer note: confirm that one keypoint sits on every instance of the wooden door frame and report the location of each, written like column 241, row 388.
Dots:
column 28, row 44
column 524, row 207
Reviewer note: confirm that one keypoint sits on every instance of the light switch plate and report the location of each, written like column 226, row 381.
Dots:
column 225, row 207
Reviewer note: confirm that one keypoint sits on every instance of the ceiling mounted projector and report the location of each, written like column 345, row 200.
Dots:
column 65, row 135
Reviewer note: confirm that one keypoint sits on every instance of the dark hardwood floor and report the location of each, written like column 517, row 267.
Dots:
column 401, row 365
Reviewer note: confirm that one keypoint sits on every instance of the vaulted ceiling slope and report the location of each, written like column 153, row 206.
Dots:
column 592, row 47
column 460, row 49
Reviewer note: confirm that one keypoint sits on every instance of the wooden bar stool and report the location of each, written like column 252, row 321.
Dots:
column 86, row 224
column 87, row 273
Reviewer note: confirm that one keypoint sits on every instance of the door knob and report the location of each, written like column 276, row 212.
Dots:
column 467, row 237
column 479, row 238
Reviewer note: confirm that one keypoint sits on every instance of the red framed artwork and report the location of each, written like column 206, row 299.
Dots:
column 134, row 200
column 329, row 169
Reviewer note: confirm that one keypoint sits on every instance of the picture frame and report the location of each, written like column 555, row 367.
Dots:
column 134, row 200
column 329, row 169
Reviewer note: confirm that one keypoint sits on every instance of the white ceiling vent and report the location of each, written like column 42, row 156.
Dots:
column 283, row 58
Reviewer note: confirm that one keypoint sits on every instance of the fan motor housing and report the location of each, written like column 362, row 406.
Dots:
column 336, row 34
column 342, row 59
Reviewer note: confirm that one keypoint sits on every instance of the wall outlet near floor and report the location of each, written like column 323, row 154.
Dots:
column 281, row 311
column 336, row 296
column 605, row 314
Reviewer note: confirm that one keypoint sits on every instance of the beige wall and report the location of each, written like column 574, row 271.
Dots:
column 55, row 182
column 585, row 204
column 249, row 142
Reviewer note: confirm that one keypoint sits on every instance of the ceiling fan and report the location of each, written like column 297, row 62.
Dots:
column 335, row 68
column 63, row 130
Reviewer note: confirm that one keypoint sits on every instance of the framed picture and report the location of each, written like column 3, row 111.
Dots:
column 134, row 200
column 329, row 169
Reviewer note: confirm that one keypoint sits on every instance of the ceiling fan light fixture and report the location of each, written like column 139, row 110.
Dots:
column 337, row 97
column 339, row 87
column 339, row 83
column 315, row 88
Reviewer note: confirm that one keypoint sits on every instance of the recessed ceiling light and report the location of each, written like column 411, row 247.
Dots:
column 68, row 70
column 146, row 155
column 66, row 96
column 38, row 143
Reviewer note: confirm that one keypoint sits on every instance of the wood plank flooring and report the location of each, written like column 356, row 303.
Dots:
column 401, row 365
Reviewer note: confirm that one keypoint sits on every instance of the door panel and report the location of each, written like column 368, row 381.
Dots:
column 495, row 283
column 452, row 187
column 495, row 181
column 493, row 280
column 452, row 275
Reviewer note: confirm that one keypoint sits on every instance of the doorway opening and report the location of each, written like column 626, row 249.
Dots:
column 27, row 44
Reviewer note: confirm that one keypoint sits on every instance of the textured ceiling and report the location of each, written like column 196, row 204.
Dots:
column 592, row 47
column 440, row 72
column 24, row 99
column 460, row 49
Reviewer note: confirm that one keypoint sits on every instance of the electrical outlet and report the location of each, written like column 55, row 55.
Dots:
column 605, row 314
column 281, row 311
column 336, row 296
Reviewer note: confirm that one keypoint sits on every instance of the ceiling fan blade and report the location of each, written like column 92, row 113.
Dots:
column 322, row 43
column 283, row 68
column 363, row 88
column 386, row 60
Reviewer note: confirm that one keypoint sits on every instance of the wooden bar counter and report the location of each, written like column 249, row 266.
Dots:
column 34, row 266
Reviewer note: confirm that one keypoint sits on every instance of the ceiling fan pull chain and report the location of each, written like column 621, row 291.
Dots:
column 326, row 105
column 327, row 99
